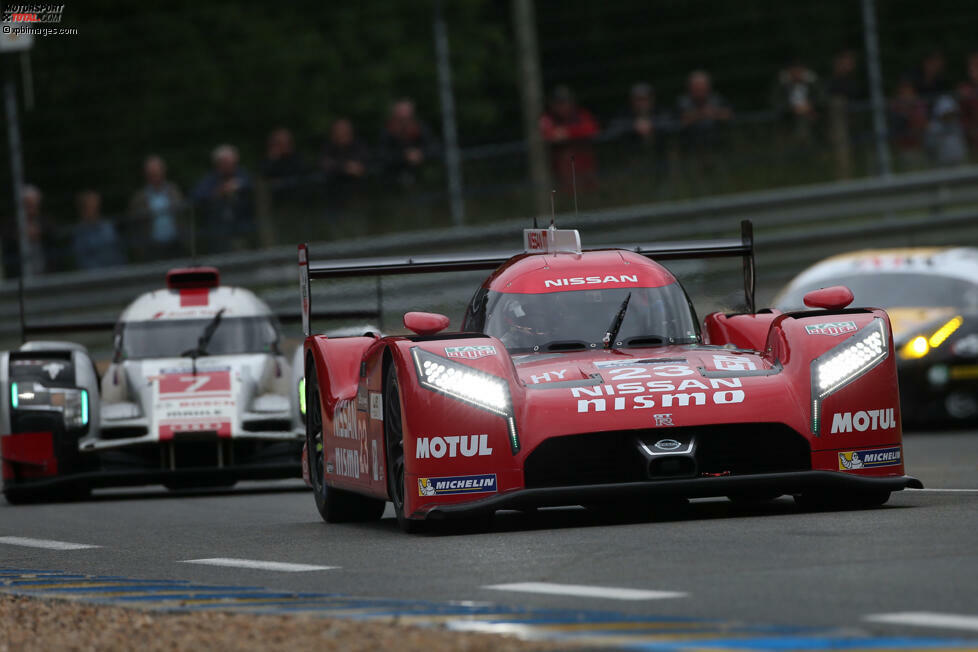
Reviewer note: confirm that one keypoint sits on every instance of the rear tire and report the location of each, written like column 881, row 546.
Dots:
column 334, row 505
column 394, row 438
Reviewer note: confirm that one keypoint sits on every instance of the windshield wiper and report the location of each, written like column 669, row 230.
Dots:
column 204, row 340
column 612, row 334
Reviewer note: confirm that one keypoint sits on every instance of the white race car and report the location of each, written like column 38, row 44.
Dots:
column 198, row 394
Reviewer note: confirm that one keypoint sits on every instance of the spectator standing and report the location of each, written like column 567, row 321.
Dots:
column 406, row 144
column 282, row 168
column 930, row 79
column 41, row 255
column 843, row 89
column 797, row 97
column 569, row 130
column 96, row 243
column 702, row 116
column 225, row 205
column 968, row 101
column 344, row 162
column 945, row 140
column 908, row 122
column 638, row 123
column 155, row 209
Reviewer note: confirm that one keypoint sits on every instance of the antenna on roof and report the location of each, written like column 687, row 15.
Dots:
column 535, row 222
column 553, row 213
column 193, row 237
column 574, row 183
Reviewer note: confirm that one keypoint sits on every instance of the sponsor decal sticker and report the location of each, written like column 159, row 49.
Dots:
column 663, row 420
column 376, row 406
column 863, row 420
column 549, row 377
column 453, row 446
column 850, row 460
column 667, row 444
column 470, row 352
column 590, row 280
column 733, row 363
column 347, row 462
column 458, row 484
column 362, row 398
column 831, row 328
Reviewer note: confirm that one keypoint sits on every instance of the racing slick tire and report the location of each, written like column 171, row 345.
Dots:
column 827, row 501
column 334, row 505
column 394, row 440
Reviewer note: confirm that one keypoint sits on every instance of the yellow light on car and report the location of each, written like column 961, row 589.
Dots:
column 302, row 396
column 916, row 348
column 944, row 332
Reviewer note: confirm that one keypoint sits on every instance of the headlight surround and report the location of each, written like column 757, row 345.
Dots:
column 846, row 362
column 471, row 386
column 462, row 382
column 72, row 403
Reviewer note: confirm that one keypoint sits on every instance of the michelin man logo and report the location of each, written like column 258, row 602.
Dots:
column 425, row 488
column 850, row 461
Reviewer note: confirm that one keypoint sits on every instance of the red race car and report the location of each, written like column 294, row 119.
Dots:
column 584, row 378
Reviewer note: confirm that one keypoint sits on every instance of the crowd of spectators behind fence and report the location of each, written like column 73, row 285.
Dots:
column 931, row 121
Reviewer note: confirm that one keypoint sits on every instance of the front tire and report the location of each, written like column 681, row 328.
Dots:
column 334, row 505
column 394, row 438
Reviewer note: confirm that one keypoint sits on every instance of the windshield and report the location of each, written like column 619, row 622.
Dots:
column 894, row 291
column 582, row 318
column 169, row 339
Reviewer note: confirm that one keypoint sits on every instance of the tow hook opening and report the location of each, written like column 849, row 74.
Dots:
column 672, row 466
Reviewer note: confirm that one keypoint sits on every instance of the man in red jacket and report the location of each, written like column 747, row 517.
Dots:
column 569, row 129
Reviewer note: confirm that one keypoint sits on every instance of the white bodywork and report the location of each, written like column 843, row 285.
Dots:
column 240, row 395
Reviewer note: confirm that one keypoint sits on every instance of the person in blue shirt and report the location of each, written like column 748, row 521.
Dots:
column 96, row 241
column 225, row 205
column 157, row 212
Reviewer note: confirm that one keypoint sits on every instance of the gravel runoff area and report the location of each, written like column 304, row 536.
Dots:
column 50, row 624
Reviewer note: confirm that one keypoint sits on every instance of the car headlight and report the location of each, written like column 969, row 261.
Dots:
column 846, row 362
column 72, row 403
column 468, row 385
column 302, row 396
column 921, row 345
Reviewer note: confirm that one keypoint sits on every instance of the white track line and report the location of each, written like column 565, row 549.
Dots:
column 967, row 491
column 45, row 543
column 258, row 565
column 927, row 619
column 583, row 591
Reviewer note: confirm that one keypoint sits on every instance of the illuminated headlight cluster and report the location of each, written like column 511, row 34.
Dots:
column 462, row 382
column 302, row 396
column 921, row 345
column 845, row 362
column 71, row 403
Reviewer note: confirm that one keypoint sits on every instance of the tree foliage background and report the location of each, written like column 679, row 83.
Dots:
column 180, row 76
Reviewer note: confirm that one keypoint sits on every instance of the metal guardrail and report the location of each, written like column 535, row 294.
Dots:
column 794, row 227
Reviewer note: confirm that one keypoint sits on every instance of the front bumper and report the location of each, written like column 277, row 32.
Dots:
column 796, row 482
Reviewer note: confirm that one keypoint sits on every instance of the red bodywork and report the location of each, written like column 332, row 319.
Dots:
column 750, row 369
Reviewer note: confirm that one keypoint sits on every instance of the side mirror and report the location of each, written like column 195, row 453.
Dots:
column 425, row 323
column 836, row 297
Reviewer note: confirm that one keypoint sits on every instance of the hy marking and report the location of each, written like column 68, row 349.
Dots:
column 583, row 591
column 47, row 544
column 258, row 565
column 927, row 619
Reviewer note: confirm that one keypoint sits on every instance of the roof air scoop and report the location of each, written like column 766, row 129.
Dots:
column 184, row 278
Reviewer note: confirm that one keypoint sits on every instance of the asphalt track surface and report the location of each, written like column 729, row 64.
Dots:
column 769, row 564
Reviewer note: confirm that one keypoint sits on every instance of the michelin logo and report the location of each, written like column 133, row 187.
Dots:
column 460, row 484
column 852, row 460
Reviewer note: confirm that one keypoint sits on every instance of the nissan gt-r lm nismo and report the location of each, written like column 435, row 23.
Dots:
column 584, row 378
column 198, row 393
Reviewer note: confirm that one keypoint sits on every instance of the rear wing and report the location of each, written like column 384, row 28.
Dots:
column 717, row 248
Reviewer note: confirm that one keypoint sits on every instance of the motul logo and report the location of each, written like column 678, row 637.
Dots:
column 863, row 421
column 467, row 445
